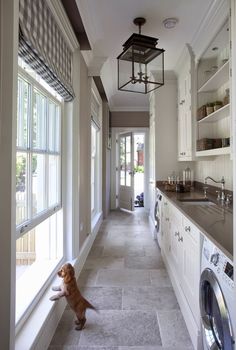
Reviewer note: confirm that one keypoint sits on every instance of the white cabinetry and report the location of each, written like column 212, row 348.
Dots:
column 152, row 181
column 185, row 106
column 181, row 253
column 165, row 226
column 213, row 75
column 190, row 239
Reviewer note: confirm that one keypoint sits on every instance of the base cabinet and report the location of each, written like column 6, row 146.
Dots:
column 181, row 253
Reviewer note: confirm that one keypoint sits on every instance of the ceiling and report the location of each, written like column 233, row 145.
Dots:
column 109, row 23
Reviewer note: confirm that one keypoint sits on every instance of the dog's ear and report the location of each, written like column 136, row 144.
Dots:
column 69, row 273
column 71, row 270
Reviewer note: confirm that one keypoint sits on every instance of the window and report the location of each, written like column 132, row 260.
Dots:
column 39, row 226
column 94, row 168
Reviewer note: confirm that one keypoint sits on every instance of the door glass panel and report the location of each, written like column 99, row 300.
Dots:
column 128, row 169
column 122, row 161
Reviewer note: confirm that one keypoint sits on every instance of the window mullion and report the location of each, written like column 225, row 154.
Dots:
column 46, row 188
column 30, row 141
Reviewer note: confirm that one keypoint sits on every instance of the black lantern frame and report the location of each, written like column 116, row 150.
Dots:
column 134, row 74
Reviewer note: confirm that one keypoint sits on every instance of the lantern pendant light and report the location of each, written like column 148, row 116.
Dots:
column 141, row 64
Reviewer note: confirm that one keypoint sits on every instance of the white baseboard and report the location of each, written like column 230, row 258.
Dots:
column 192, row 327
column 38, row 330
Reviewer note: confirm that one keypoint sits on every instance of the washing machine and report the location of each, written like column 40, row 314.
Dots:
column 157, row 217
column 217, row 306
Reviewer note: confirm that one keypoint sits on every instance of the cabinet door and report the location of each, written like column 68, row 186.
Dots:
column 175, row 241
column 152, row 184
column 191, row 265
column 185, row 117
column 165, row 226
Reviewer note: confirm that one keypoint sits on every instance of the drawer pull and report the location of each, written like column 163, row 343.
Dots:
column 180, row 239
column 187, row 228
column 176, row 234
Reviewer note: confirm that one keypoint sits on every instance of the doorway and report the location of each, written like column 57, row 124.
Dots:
column 130, row 161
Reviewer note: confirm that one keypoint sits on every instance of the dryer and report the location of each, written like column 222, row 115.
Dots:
column 217, row 306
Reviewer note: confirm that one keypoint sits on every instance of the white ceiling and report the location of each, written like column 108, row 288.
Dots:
column 109, row 23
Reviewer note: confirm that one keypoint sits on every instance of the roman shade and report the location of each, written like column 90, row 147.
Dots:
column 43, row 47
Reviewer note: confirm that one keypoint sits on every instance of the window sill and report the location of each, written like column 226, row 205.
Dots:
column 28, row 287
column 28, row 335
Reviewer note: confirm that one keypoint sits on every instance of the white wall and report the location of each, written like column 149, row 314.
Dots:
column 216, row 168
column 8, row 99
column 166, row 128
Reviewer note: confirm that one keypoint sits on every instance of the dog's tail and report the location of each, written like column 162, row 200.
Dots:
column 90, row 306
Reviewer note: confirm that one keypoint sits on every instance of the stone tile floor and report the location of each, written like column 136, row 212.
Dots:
column 125, row 278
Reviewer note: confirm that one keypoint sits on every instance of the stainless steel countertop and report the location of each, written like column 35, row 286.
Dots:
column 215, row 222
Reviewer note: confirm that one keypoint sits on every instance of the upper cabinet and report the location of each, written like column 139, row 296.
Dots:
column 213, row 97
column 185, row 106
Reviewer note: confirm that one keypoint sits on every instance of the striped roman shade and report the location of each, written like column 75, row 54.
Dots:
column 43, row 47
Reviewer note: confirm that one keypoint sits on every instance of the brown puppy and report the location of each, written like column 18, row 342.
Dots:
column 69, row 289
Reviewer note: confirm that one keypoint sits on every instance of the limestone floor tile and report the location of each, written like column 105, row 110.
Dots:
column 160, row 278
column 123, row 278
column 97, row 348
column 173, row 330
column 152, row 348
column 121, row 251
column 145, row 262
column 104, row 298
column 66, row 334
column 107, row 262
column 87, row 277
column 152, row 249
column 117, row 328
column 149, row 298
column 96, row 251
column 76, row 347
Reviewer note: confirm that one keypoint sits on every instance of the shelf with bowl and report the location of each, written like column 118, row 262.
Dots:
column 219, row 78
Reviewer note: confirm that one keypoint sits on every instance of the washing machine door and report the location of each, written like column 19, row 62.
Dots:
column 216, row 325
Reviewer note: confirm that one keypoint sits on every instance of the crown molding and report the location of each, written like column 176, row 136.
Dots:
column 62, row 20
column 128, row 109
column 215, row 17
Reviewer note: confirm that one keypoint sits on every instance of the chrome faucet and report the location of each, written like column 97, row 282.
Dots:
column 222, row 182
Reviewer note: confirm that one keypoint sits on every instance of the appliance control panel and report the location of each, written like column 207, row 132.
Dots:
column 219, row 263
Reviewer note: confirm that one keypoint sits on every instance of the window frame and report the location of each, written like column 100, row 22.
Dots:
column 96, row 174
column 33, row 221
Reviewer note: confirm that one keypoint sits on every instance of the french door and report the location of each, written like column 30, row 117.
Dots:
column 126, row 171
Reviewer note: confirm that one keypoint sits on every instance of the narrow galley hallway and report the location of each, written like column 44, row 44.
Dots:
column 125, row 278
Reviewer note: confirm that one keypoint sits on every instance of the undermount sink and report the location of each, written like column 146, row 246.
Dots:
column 196, row 201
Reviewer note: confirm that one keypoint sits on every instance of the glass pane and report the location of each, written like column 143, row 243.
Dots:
column 21, row 187
column 53, row 180
column 128, row 169
column 39, row 122
column 54, row 135
column 128, row 144
column 38, row 183
column 37, row 254
column 93, row 140
column 22, row 112
column 122, row 161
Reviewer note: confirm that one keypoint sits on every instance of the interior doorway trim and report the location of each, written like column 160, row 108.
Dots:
column 115, row 162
